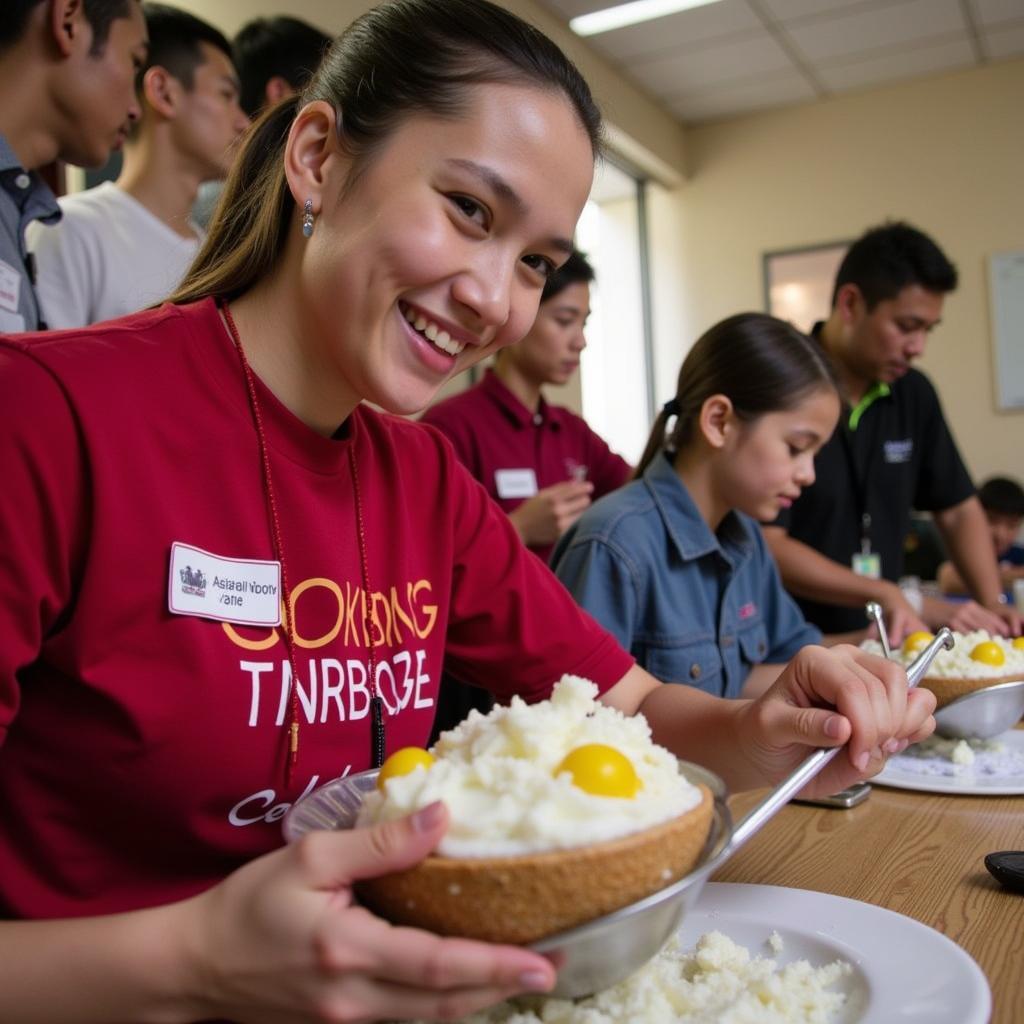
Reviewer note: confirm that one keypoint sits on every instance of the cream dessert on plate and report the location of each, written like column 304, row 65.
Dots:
column 561, row 811
column 977, row 660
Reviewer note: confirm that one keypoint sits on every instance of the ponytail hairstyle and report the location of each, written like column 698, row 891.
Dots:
column 761, row 364
column 400, row 59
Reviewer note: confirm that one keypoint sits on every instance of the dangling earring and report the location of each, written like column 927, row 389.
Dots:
column 307, row 218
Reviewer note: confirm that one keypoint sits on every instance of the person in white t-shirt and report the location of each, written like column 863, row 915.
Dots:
column 125, row 245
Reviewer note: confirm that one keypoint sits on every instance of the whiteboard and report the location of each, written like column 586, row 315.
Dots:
column 1006, row 294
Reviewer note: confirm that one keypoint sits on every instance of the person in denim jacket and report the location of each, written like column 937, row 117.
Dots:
column 674, row 564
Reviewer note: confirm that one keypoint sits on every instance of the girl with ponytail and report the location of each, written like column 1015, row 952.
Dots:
column 227, row 578
column 674, row 564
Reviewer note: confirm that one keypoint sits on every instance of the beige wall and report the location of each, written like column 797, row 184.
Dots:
column 945, row 153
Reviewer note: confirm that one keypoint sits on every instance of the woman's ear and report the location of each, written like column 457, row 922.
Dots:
column 311, row 153
column 716, row 420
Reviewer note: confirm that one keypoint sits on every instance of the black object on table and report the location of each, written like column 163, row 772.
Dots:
column 1007, row 867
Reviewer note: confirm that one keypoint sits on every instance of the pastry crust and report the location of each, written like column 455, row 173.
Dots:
column 948, row 689
column 525, row 898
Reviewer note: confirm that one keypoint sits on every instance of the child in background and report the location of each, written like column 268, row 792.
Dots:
column 674, row 564
column 1003, row 502
column 540, row 462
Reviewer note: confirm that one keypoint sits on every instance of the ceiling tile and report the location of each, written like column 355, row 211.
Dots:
column 786, row 10
column 686, row 29
column 1005, row 41
column 992, row 12
column 876, row 28
column 574, row 8
column 757, row 94
column 896, row 64
column 698, row 70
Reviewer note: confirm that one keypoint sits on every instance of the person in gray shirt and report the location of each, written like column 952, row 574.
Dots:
column 274, row 57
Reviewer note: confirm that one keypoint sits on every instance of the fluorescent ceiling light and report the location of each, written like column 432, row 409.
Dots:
column 630, row 14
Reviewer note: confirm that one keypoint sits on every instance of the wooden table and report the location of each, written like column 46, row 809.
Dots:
column 919, row 854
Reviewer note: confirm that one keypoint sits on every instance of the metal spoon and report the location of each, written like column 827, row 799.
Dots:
column 874, row 611
column 600, row 953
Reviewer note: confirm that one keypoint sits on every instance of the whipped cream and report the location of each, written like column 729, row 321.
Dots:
column 496, row 773
column 958, row 663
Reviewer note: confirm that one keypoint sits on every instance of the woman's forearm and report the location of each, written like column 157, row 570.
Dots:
column 698, row 727
column 122, row 967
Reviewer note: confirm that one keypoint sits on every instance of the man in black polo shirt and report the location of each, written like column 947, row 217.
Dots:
column 841, row 544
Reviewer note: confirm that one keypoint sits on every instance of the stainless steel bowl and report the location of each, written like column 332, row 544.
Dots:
column 983, row 713
column 602, row 952
column 591, row 956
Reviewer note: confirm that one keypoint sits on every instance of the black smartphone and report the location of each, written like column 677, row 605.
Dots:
column 849, row 797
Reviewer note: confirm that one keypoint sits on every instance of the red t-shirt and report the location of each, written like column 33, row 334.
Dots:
column 144, row 751
column 494, row 433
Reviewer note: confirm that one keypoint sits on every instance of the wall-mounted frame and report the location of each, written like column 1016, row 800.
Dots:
column 1006, row 298
column 798, row 282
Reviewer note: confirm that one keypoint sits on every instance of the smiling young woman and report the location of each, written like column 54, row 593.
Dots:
column 226, row 579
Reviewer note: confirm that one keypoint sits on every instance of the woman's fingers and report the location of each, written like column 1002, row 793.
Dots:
column 919, row 722
column 845, row 695
column 833, row 678
column 420, row 960
column 333, row 860
column 361, row 1001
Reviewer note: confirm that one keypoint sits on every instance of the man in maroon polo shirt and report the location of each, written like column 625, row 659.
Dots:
column 541, row 463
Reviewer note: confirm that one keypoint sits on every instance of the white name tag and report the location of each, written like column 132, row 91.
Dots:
column 242, row 590
column 10, row 287
column 868, row 564
column 515, row 483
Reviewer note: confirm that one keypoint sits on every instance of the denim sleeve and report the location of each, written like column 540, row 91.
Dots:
column 603, row 582
column 787, row 628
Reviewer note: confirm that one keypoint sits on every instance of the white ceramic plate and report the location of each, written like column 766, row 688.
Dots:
column 902, row 772
column 903, row 971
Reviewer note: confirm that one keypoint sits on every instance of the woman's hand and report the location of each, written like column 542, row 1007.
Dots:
column 825, row 698
column 282, row 940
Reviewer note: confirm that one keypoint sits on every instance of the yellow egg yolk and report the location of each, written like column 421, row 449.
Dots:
column 1018, row 643
column 404, row 762
column 601, row 770
column 989, row 653
column 917, row 642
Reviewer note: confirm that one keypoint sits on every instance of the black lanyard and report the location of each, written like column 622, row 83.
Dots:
column 860, row 481
column 30, row 269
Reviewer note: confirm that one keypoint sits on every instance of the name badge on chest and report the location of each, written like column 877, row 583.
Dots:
column 515, row 483
column 10, row 287
column 868, row 564
column 242, row 590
